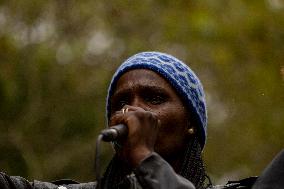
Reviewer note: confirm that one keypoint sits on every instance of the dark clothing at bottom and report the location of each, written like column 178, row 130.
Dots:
column 153, row 173
column 273, row 175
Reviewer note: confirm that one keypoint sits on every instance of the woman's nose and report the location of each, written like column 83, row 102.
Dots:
column 138, row 102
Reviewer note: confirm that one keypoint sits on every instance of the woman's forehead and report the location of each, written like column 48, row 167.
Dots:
column 141, row 77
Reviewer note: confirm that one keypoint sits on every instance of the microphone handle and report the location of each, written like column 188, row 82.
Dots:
column 114, row 133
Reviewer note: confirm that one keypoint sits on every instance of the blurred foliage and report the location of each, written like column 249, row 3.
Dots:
column 57, row 57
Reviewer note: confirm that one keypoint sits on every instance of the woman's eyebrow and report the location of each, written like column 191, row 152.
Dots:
column 153, row 88
column 143, row 88
column 120, row 91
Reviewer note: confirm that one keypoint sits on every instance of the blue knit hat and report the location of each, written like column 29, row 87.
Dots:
column 178, row 74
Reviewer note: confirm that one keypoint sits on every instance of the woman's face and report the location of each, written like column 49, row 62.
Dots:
column 148, row 90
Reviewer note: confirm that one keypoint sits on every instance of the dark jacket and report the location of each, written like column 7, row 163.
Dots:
column 273, row 175
column 152, row 173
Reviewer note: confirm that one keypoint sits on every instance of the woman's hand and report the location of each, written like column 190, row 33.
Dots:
column 143, row 128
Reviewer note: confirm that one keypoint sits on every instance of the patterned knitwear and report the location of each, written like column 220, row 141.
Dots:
column 178, row 74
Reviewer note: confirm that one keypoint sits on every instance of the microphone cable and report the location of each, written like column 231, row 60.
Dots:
column 97, row 161
column 107, row 135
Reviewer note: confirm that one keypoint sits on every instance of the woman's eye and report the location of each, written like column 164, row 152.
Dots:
column 122, row 103
column 155, row 100
column 119, row 104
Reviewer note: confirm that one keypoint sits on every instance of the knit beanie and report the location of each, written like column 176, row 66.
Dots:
column 180, row 77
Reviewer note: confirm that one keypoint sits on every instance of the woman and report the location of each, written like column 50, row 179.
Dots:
column 162, row 103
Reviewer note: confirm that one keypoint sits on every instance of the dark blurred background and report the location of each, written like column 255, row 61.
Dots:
column 57, row 58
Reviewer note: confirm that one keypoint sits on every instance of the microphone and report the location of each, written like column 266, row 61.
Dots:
column 114, row 133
